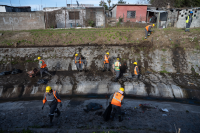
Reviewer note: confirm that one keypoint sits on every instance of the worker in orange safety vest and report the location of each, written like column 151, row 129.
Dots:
column 78, row 62
column 43, row 66
column 52, row 98
column 148, row 30
column 106, row 62
column 116, row 101
column 136, row 71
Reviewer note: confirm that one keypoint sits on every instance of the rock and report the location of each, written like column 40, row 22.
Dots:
column 1, row 34
column 91, row 118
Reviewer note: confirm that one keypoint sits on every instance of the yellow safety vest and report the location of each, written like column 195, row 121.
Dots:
column 188, row 18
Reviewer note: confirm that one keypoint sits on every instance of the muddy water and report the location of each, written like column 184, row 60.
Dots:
column 165, row 73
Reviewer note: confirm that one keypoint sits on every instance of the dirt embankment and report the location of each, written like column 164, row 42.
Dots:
column 170, row 37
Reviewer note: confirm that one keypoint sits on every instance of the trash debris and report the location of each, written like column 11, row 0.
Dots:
column 164, row 114
column 191, row 83
column 42, row 81
column 16, row 71
column 33, row 72
column 164, row 110
column 146, row 107
column 5, row 73
column 93, row 107
column 148, row 72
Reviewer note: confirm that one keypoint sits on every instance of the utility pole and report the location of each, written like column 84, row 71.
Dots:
column 66, row 3
column 19, row 3
column 41, row 5
column 10, row 3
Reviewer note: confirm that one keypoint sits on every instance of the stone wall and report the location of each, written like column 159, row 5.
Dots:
column 22, row 20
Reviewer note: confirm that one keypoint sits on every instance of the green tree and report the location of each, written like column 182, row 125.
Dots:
column 121, row 2
column 175, row 3
column 102, row 3
column 109, row 1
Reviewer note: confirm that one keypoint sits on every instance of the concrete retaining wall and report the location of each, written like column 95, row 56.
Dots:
column 67, row 81
column 22, row 21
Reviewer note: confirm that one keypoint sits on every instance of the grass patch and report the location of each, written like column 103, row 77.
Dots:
column 164, row 71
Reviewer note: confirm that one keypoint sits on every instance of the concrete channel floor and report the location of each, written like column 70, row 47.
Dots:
column 22, row 115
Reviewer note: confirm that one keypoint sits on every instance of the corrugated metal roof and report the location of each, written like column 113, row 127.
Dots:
column 156, row 11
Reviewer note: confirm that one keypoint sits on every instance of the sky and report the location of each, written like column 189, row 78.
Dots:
column 36, row 4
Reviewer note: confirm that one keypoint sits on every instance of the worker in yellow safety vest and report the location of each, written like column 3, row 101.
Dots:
column 189, row 19
column 106, row 61
column 148, row 30
column 116, row 101
column 136, row 71
column 43, row 66
column 52, row 98
column 116, row 67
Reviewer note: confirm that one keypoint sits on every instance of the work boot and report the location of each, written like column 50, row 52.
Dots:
column 51, row 119
column 120, row 118
column 58, row 112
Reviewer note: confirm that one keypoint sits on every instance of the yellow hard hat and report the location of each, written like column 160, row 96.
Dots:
column 153, row 25
column 48, row 88
column 76, row 54
column 121, row 89
column 135, row 63
column 117, row 58
column 107, row 53
column 39, row 58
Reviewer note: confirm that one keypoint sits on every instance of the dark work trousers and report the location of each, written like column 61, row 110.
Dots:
column 44, row 70
column 188, row 26
column 53, row 109
column 116, row 110
column 147, row 33
column 106, row 66
column 117, row 74
column 77, row 66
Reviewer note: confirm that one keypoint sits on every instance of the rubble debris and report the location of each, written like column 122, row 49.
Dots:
column 93, row 107
column 16, row 71
column 164, row 110
column 42, row 81
column 5, row 73
column 145, row 107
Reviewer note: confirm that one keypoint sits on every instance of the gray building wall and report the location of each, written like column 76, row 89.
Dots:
column 60, row 18
column 183, row 14
column 114, row 12
column 21, row 20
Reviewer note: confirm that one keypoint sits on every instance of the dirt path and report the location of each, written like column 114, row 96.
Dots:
column 27, row 115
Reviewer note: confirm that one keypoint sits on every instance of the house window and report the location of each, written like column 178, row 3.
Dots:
column 131, row 14
column 73, row 15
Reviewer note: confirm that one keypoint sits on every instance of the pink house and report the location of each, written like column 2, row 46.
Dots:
column 130, row 12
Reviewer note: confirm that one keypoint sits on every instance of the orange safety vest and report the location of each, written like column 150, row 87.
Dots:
column 43, row 64
column 135, row 71
column 54, row 93
column 106, row 59
column 147, row 27
column 78, row 60
column 117, row 99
